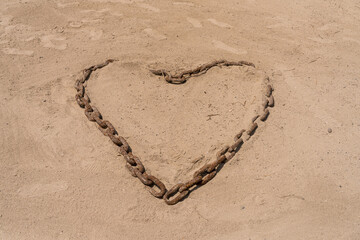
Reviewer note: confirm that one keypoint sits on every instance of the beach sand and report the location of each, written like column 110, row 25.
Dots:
column 298, row 177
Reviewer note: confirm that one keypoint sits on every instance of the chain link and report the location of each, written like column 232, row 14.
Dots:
column 133, row 163
column 136, row 168
column 182, row 77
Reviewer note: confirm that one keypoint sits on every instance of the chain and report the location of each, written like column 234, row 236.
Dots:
column 133, row 163
column 182, row 77
column 136, row 168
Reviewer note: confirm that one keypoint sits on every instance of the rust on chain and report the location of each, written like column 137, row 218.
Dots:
column 133, row 163
column 172, row 192
column 271, row 101
column 265, row 102
column 143, row 177
column 252, row 128
column 158, row 184
column 222, row 151
column 136, row 168
column 190, row 183
column 264, row 116
column 268, row 90
column 182, row 77
column 237, row 136
column 255, row 117
column 236, row 145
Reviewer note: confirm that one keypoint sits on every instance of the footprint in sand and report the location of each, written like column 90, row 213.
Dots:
column 15, row 51
column 219, row 24
column 154, row 34
column 223, row 46
column 148, row 7
column 48, row 42
column 196, row 23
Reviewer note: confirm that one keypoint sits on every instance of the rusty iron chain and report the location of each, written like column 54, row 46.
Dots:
column 133, row 163
column 182, row 77
column 136, row 168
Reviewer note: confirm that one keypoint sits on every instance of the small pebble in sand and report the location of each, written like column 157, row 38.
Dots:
column 329, row 130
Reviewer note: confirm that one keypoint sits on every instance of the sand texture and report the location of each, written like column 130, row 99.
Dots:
column 298, row 177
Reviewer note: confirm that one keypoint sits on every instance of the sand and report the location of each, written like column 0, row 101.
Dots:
column 296, row 178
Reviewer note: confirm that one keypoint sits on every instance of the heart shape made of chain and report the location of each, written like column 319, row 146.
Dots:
column 204, row 174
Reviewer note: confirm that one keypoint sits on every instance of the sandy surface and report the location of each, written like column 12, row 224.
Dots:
column 60, row 178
